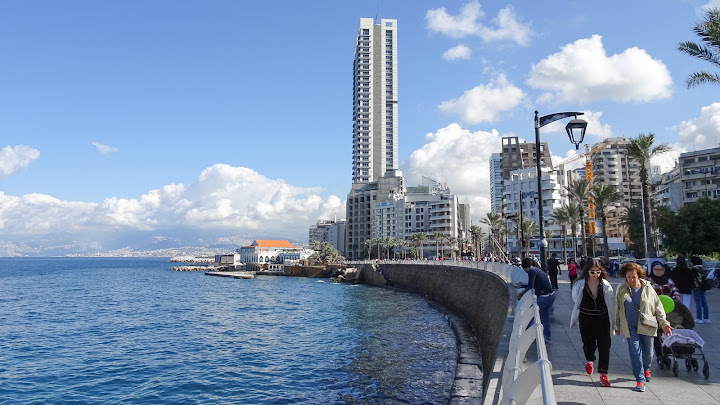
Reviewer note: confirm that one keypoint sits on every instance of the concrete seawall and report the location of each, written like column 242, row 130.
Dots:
column 482, row 298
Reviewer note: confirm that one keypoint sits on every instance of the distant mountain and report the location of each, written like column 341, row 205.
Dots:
column 176, row 242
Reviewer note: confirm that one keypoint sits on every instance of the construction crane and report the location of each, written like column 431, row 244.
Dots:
column 589, row 177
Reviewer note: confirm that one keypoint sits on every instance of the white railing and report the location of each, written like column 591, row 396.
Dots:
column 519, row 384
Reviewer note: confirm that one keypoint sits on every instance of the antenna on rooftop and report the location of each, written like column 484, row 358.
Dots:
column 377, row 16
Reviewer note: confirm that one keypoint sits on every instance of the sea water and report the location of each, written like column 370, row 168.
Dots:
column 128, row 330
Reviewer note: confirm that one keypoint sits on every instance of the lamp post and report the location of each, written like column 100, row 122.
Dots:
column 576, row 132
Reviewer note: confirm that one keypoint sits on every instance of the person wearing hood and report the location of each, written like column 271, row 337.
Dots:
column 638, row 314
column 594, row 310
column 699, row 274
column 661, row 281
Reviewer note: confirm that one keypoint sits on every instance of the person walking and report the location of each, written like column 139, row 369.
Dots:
column 638, row 314
column 593, row 311
column 661, row 281
column 699, row 274
column 682, row 276
column 572, row 270
column 538, row 281
column 553, row 265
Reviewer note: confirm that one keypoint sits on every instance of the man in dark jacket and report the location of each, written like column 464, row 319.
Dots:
column 539, row 282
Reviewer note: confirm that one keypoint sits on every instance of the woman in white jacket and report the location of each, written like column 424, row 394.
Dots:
column 594, row 310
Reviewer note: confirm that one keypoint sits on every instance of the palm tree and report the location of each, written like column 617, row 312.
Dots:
column 574, row 218
column 388, row 242
column 452, row 240
column 437, row 236
column 493, row 221
column 709, row 50
column 560, row 217
column 443, row 238
column 579, row 191
column 605, row 195
column 642, row 149
column 368, row 246
column 529, row 228
column 418, row 239
column 476, row 235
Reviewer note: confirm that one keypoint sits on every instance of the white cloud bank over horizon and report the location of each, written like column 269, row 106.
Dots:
column 223, row 197
column 15, row 158
column 583, row 72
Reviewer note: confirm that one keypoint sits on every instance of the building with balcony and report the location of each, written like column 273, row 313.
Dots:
column 700, row 174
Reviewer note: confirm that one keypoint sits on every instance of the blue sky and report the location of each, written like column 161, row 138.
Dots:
column 234, row 115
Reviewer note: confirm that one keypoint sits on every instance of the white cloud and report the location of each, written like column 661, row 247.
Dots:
column 458, row 52
column 104, row 149
column 15, row 158
column 669, row 159
column 702, row 132
column 223, row 197
column 707, row 6
column 583, row 72
column 485, row 103
column 461, row 159
column 505, row 25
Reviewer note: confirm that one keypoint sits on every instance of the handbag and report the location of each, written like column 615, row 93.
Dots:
column 645, row 319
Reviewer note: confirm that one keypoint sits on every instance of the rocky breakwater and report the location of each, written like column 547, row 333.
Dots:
column 201, row 268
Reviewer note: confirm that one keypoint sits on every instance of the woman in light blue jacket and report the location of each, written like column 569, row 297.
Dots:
column 594, row 311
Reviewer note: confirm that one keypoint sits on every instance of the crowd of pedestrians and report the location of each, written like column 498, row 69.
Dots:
column 633, row 309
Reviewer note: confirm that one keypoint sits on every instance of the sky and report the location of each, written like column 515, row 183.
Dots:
column 235, row 117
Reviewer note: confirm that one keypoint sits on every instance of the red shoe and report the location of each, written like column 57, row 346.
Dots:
column 604, row 380
column 589, row 368
column 647, row 376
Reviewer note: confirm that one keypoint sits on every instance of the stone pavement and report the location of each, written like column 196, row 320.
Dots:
column 574, row 386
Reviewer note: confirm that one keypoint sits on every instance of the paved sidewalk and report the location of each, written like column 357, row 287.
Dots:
column 574, row 386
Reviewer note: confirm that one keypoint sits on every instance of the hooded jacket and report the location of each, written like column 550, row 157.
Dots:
column 649, row 304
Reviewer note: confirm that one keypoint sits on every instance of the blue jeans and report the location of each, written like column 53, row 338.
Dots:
column 641, row 352
column 545, row 302
column 700, row 303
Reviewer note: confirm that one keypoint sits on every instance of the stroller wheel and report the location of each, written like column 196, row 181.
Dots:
column 706, row 370
column 695, row 364
column 675, row 368
column 688, row 364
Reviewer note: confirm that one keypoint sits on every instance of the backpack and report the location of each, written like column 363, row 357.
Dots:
column 705, row 283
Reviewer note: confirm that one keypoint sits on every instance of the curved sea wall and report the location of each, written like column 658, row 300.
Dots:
column 481, row 297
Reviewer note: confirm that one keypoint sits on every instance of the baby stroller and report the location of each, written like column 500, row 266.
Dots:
column 684, row 344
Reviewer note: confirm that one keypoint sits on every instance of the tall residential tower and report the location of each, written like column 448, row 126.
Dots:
column 375, row 120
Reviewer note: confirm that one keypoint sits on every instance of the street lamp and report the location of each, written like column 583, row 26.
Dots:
column 576, row 132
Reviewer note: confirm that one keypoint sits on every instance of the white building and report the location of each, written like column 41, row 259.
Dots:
column 375, row 97
column 496, row 183
column 330, row 231
column 263, row 252
column 521, row 195
column 700, row 174
column 375, row 129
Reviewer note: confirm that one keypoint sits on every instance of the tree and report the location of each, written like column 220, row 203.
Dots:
column 368, row 246
column 327, row 254
column 579, row 191
column 605, row 195
column 709, row 50
column 560, row 217
column 693, row 229
column 529, row 228
column 418, row 239
column 476, row 234
column 643, row 148
column 574, row 218
column 633, row 220
column 493, row 221
column 388, row 242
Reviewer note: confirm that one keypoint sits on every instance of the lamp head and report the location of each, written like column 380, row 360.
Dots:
column 576, row 131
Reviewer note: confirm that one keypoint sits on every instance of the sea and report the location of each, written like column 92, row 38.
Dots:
column 131, row 330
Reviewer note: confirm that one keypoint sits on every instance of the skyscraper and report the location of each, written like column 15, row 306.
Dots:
column 375, row 130
column 375, row 120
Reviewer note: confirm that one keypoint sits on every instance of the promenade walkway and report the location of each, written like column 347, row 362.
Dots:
column 574, row 386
